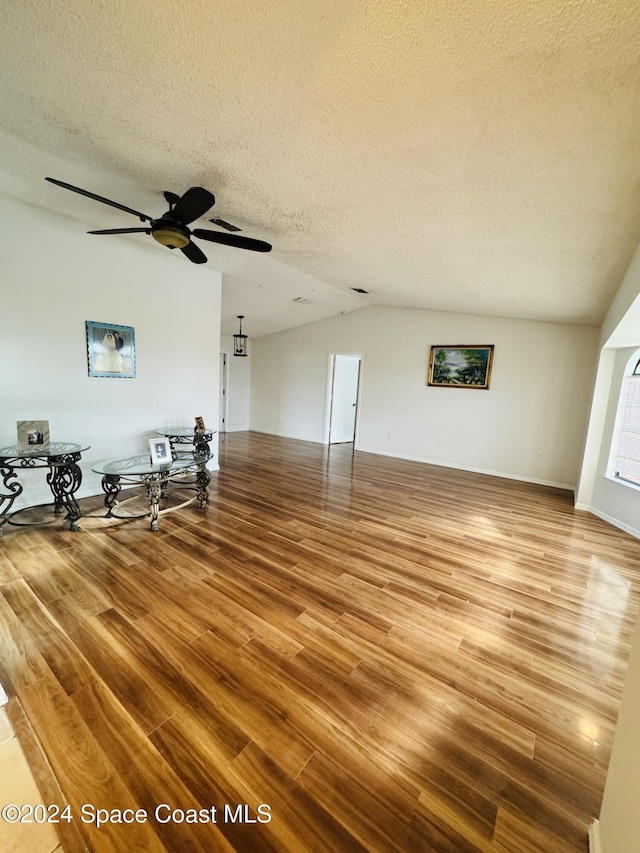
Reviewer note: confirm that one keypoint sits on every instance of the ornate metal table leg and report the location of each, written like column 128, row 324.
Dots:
column 203, row 478
column 64, row 480
column 111, row 489
column 201, row 443
column 154, row 487
column 56, row 486
column 164, row 483
column 8, row 494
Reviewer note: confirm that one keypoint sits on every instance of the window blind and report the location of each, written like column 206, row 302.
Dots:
column 627, row 465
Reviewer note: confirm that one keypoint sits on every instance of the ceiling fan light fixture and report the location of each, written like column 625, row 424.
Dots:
column 174, row 238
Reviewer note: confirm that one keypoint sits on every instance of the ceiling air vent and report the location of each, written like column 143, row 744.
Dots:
column 359, row 290
column 224, row 224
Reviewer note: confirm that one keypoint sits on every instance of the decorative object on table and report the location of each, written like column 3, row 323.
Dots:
column 64, row 477
column 240, row 340
column 460, row 366
column 111, row 350
column 160, row 451
column 171, row 229
column 33, row 435
column 200, row 427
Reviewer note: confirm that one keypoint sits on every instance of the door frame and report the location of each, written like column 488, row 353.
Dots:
column 223, row 392
column 329, row 396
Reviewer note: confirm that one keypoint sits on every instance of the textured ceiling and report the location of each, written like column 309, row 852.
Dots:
column 461, row 156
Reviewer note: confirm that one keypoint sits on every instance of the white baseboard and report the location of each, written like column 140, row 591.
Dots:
column 287, row 435
column 594, row 837
column 632, row 531
column 488, row 473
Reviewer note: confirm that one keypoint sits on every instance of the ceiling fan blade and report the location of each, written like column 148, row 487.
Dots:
column 122, row 231
column 142, row 216
column 194, row 253
column 193, row 204
column 232, row 240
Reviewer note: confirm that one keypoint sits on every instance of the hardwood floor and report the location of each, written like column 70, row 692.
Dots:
column 370, row 654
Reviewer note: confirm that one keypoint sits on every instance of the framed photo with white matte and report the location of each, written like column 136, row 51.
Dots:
column 160, row 451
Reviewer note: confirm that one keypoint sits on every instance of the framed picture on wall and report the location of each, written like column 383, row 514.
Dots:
column 33, row 435
column 111, row 350
column 460, row 366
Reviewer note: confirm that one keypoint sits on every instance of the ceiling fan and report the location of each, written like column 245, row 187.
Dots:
column 171, row 229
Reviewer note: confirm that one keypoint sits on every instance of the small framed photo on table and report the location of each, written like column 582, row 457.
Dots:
column 33, row 435
column 200, row 427
column 160, row 451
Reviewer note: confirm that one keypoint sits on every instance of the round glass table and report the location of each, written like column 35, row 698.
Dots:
column 140, row 471
column 64, row 478
column 181, row 438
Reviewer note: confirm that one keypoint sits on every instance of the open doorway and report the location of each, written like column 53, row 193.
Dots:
column 343, row 397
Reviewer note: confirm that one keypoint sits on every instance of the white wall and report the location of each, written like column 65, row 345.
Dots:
column 618, row 830
column 55, row 277
column 620, row 329
column 537, row 404
column 620, row 815
column 238, row 387
column 622, row 322
column 615, row 502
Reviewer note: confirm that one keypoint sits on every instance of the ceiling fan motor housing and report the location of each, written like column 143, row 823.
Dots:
column 169, row 233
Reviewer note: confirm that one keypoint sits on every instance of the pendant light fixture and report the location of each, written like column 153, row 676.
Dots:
column 240, row 340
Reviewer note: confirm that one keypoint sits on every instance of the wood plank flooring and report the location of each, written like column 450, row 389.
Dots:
column 362, row 653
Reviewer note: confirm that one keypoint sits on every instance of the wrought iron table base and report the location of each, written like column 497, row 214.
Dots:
column 10, row 491
column 64, row 481
column 64, row 478
column 156, row 488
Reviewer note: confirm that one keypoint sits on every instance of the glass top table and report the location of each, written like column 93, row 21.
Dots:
column 134, row 467
column 178, row 436
column 139, row 470
column 12, row 454
column 64, row 477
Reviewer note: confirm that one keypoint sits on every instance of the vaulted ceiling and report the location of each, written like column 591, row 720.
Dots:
column 480, row 157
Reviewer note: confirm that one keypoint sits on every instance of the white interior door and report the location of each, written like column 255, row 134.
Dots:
column 344, row 398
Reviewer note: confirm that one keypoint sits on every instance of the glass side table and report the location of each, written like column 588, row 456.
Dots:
column 64, row 478
column 186, row 438
column 140, row 471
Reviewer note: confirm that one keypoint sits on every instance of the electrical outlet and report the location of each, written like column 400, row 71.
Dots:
column 392, row 435
column 539, row 457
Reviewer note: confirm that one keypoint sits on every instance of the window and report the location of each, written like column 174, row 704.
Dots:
column 625, row 457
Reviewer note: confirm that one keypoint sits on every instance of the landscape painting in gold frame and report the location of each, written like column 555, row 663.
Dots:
column 460, row 366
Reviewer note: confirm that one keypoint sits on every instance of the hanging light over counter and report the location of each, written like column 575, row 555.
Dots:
column 240, row 340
